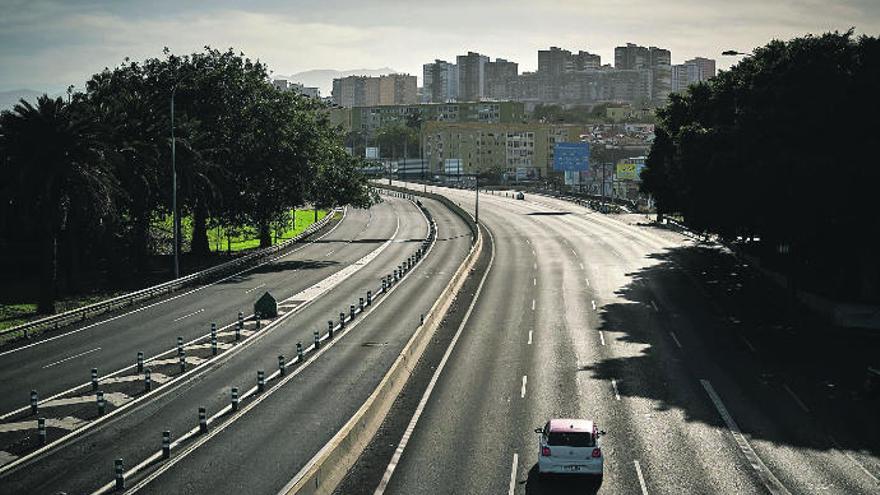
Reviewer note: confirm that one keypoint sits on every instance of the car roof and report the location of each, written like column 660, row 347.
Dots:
column 569, row 425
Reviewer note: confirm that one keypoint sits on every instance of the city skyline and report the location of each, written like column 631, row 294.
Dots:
column 49, row 45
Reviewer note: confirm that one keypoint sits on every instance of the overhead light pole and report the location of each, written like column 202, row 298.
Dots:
column 175, row 213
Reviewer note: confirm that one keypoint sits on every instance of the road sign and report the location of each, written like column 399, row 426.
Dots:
column 571, row 157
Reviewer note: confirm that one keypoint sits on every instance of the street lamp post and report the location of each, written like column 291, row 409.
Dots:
column 175, row 213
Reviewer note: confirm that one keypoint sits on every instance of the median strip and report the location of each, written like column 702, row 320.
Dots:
column 327, row 468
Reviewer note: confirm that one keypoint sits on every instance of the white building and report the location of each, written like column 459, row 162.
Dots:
column 285, row 85
column 692, row 71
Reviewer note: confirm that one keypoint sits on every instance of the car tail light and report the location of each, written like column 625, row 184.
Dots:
column 597, row 452
column 545, row 451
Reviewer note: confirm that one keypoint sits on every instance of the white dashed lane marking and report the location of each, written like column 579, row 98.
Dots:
column 71, row 357
column 641, row 478
column 797, row 399
column 512, row 486
column 187, row 316
column 254, row 288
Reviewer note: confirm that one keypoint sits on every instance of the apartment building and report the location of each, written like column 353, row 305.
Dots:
column 370, row 119
column 516, row 151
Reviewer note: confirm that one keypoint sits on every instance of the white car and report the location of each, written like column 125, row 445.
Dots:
column 570, row 446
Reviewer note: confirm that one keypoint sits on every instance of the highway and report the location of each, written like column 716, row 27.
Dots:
column 64, row 359
column 588, row 315
column 318, row 400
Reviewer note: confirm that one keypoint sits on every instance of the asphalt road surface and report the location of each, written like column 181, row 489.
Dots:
column 64, row 359
column 295, row 421
column 596, row 316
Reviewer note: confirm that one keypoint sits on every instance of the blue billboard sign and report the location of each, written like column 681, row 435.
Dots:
column 571, row 157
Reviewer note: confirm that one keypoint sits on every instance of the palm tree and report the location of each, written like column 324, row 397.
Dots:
column 55, row 163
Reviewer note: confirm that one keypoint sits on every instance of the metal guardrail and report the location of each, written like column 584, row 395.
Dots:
column 80, row 314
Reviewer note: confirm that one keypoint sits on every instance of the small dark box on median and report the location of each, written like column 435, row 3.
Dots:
column 266, row 306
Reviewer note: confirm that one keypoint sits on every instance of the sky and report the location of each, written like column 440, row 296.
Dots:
column 48, row 45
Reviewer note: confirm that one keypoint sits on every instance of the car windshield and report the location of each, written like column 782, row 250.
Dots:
column 570, row 439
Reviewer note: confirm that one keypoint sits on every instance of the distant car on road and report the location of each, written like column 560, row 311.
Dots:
column 520, row 195
column 570, row 446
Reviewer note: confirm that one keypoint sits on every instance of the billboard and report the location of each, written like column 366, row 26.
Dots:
column 571, row 157
column 372, row 153
column 630, row 169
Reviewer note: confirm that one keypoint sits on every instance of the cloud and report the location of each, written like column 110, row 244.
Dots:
column 48, row 45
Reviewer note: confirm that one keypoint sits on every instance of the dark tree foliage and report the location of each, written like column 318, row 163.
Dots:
column 775, row 149
column 93, row 176
column 55, row 178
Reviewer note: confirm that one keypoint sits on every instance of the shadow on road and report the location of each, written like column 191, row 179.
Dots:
column 560, row 484
column 548, row 213
column 352, row 241
column 282, row 266
column 730, row 319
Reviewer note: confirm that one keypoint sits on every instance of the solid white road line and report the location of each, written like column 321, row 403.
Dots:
column 797, row 399
column 773, row 485
column 533, row 304
column 522, row 391
column 392, row 465
column 530, row 337
column 72, row 357
column 614, row 386
column 254, row 288
column 675, row 339
column 513, row 474
column 313, row 356
column 854, row 461
column 187, row 316
column 601, row 337
column 641, row 478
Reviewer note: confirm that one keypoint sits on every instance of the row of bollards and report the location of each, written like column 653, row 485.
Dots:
column 387, row 281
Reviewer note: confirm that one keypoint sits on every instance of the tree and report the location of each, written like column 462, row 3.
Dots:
column 55, row 164
column 765, row 151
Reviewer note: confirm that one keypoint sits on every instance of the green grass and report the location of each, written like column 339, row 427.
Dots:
column 219, row 240
column 16, row 314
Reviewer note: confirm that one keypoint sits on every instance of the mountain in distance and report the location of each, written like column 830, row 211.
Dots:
column 323, row 78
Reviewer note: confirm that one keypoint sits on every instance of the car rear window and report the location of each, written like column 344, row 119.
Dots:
column 570, row 439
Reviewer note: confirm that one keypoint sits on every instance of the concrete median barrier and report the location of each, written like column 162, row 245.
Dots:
column 326, row 469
